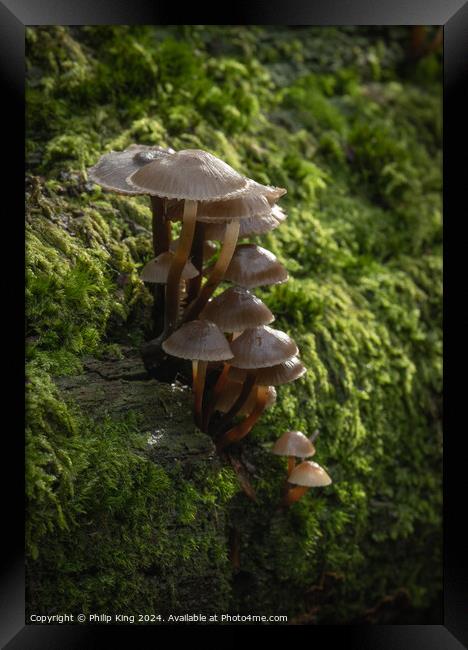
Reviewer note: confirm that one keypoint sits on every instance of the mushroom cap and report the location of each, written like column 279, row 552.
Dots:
column 255, row 201
column 261, row 347
column 293, row 443
column 113, row 168
column 257, row 225
column 282, row 373
column 231, row 392
column 253, row 266
column 243, row 207
column 198, row 340
column 209, row 248
column 237, row 309
column 309, row 474
column 157, row 269
column 191, row 174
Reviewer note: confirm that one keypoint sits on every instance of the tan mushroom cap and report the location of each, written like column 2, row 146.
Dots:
column 253, row 266
column 231, row 392
column 209, row 248
column 309, row 474
column 157, row 269
column 237, row 309
column 261, row 347
column 191, row 174
column 243, row 207
column 113, row 168
column 282, row 373
column 198, row 340
column 293, row 443
column 257, row 225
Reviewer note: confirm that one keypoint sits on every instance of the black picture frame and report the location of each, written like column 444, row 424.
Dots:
column 15, row 15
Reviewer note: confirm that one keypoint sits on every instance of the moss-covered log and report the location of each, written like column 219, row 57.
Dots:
column 351, row 126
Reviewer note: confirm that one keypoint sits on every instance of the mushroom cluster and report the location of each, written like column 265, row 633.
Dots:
column 237, row 357
column 294, row 444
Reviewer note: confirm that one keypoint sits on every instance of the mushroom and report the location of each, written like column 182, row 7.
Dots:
column 252, row 204
column 255, row 348
column 200, row 341
column 293, row 444
column 252, row 266
column 191, row 175
column 237, row 309
column 233, row 311
column 306, row 475
column 283, row 373
column 111, row 172
column 258, row 225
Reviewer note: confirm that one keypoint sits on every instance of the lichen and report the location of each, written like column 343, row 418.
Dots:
column 353, row 131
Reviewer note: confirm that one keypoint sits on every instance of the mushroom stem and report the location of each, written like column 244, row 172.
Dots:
column 217, row 390
column 294, row 494
column 180, row 259
column 241, row 430
column 229, row 245
column 194, row 284
column 291, row 464
column 249, row 385
column 161, row 241
column 199, row 374
column 161, row 227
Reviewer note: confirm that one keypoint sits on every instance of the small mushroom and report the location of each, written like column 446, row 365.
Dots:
column 306, row 475
column 233, row 311
column 258, row 225
column 255, row 348
column 111, row 172
column 237, row 309
column 253, row 266
column 283, row 373
column 200, row 341
column 293, row 444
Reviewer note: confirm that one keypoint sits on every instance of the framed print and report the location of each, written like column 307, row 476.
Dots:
column 234, row 303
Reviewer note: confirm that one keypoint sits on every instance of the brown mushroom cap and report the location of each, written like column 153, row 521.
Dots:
column 243, row 207
column 257, row 225
column 282, row 373
column 191, row 174
column 237, row 309
column 113, row 168
column 309, row 474
column 253, row 266
column 198, row 340
column 261, row 347
column 231, row 392
column 157, row 269
column 255, row 201
column 293, row 443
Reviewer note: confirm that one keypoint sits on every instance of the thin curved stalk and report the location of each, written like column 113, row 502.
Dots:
column 194, row 285
column 227, row 251
column 291, row 464
column 241, row 430
column 161, row 242
column 175, row 272
column 216, row 392
column 247, row 388
column 294, row 494
column 199, row 375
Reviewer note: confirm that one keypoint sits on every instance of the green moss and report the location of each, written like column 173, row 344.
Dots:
column 353, row 131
